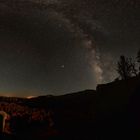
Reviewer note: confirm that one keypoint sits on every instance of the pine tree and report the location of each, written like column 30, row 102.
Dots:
column 138, row 60
column 126, row 68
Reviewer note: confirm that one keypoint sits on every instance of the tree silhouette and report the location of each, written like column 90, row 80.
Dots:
column 138, row 60
column 126, row 67
column 138, row 56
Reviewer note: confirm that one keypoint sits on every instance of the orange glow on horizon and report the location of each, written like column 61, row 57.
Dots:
column 30, row 97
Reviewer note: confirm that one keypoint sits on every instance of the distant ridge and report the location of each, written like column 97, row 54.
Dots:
column 106, row 112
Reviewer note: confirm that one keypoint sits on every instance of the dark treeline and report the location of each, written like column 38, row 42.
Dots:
column 128, row 67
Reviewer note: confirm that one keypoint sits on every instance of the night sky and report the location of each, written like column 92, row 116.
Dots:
column 62, row 46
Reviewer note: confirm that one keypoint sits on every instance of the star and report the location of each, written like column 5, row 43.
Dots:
column 63, row 66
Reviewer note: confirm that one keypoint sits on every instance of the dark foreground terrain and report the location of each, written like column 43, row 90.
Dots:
column 111, row 112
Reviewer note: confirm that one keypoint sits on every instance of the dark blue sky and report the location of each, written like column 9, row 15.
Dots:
column 59, row 46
